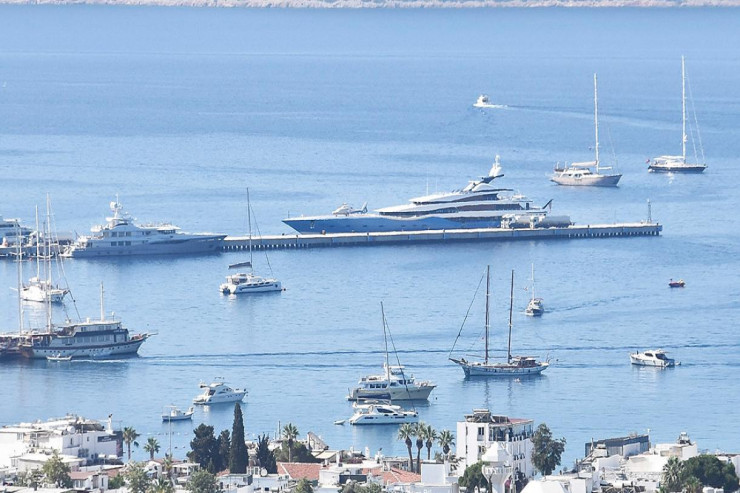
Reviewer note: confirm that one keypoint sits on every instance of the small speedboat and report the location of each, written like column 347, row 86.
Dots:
column 59, row 357
column 655, row 357
column 381, row 413
column 175, row 414
column 676, row 284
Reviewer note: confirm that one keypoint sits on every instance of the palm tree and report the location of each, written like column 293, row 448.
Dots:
column 692, row 485
column 161, row 485
column 129, row 437
column 290, row 433
column 445, row 440
column 405, row 432
column 673, row 474
column 419, row 430
column 430, row 434
column 151, row 446
column 167, row 465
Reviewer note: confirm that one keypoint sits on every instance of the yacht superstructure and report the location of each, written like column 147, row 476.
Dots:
column 479, row 205
column 120, row 236
column 218, row 392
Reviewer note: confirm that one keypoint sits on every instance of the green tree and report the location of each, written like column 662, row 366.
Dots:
column 56, row 471
column 161, row 485
column 151, row 446
column 446, row 439
column 290, row 433
column 692, row 485
column 299, row 453
column 674, row 473
column 355, row 487
column 710, row 471
column 265, row 457
column 204, row 448
column 223, row 445
column 202, row 482
column 136, row 478
column 129, row 437
column 116, row 482
column 430, row 436
column 304, row 486
column 418, row 432
column 405, row 432
column 546, row 451
column 238, row 457
column 473, row 478
column 168, row 466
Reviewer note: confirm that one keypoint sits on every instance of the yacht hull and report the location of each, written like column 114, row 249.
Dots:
column 698, row 168
column 128, row 348
column 243, row 289
column 498, row 370
column 588, row 180
column 221, row 399
column 395, row 394
column 372, row 223
column 637, row 361
column 184, row 246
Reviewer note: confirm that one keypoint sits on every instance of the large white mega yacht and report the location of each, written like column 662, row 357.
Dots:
column 120, row 236
column 479, row 205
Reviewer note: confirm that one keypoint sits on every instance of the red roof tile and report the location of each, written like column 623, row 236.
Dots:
column 300, row 470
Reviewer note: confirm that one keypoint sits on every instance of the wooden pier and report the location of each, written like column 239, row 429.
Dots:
column 296, row 241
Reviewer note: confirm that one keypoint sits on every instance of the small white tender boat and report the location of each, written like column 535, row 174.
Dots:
column 59, row 357
column 381, row 413
column 484, row 101
column 655, row 357
column 175, row 414
column 217, row 393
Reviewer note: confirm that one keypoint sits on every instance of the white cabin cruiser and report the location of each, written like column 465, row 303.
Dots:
column 218, row 392
column 119, row 236
column 381, row 413
column 535, row 307
column 42, row 291
column 655, row 357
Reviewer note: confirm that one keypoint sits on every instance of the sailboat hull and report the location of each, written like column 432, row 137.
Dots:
column 474, row 369
column 677, row 168
column 587, row 180
column 418, row 393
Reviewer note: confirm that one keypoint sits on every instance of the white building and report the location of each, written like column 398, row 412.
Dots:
column 482, row 429
column 435, row 478
column 77, row 440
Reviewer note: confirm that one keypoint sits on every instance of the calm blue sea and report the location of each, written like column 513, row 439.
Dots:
column 180, row 110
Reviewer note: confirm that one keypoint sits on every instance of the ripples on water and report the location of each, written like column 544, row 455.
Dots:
column 183, row 109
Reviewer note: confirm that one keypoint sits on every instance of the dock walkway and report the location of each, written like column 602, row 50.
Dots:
column 296, row 241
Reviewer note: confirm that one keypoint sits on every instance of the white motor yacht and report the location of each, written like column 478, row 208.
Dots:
column 393, row 384
column 588, row 173
column 42, row 291
column 218, row 392
column 381, row 413
column 484, row 101
column 175, row 414
column 656, row 357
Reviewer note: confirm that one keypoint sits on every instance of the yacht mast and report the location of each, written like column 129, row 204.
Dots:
column 47, row 266
column 249, row 221
column 102, row 310
column 488, row 294
column 38, row 247
column 683, row 108
column 19, row 243
column 533, row 296
column 385, row 339
column 596, row 123
column 511, row 308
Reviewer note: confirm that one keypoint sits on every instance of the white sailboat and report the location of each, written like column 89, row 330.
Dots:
column 249, row 282
column 394, row 384
column 588, row 173
column 42, row 289
column 673, row 164
column 535, row 307
column 515, row 366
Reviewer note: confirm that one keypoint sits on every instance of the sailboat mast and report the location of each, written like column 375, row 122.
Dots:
column 249, row 222
column 102, row 309
column 385, row 339
column 596, row 123
column 38, row 246
column 488, row 295
column 47, row 266
column 533, row 296
column 511, row 311
column 683, row 108
column 18, row 239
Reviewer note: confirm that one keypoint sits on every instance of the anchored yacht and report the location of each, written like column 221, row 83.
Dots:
column 656, row 357
column 381, row 413
column 120, row 236
column 479, row 205
column 394, row 384
column 218, row 392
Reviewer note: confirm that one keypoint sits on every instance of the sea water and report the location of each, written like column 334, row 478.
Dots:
column 178, row 111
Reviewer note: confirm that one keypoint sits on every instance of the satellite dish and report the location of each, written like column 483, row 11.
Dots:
column 263, row 472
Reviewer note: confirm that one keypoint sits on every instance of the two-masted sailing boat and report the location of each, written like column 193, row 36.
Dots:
column 515, row 365
column 248, row 282
column 673, row 164
column 590, row 172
